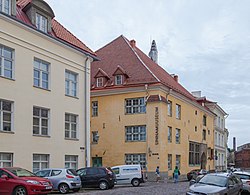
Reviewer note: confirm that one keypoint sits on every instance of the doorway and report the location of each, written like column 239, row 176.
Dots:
column 96, row 161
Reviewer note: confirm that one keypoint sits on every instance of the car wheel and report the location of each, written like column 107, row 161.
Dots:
column 76, row 190
column 63, row 188
column 103, row 185
column 135, row 182
column 20, row 190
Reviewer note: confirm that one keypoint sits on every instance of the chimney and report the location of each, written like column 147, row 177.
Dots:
column 176, row 78
column 234, row 143
column 133, row 43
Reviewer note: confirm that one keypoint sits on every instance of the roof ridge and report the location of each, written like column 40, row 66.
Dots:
column 108, row 43
column 127, row 41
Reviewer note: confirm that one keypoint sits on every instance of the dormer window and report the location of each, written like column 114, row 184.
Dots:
column 118, row 80
column 5, row 6
column 99, row 82
column 41, row 23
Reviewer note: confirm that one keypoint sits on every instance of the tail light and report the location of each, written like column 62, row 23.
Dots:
column 70, row 176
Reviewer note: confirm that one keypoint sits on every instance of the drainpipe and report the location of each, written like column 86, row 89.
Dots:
column 86, row 111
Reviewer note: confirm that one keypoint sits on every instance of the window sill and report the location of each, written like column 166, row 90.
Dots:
column 42, row 88
column 129, row 141
column 72, row 139
column 7, row 78
column 135, row 113
column 72, row 96
column 46, row 136
column 8, row 132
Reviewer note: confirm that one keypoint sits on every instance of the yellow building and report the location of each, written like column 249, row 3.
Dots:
column 141, row 114
column 44, row 89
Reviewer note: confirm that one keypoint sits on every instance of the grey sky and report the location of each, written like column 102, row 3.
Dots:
column 205, row 42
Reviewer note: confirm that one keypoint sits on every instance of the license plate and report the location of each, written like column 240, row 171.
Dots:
column 48, row 187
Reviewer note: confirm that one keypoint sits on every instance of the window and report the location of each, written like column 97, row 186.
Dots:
column 135, row 133
column 99, row 82
column 135, row 105
column 6, row 62
column 169, row 108
column 6, row 159
column 204, row 134
column 178, row 161
column 71, row 83
column 169, row 161
column 5, row 6
column 40, row 121
column 178, row 111
column 95, row 137
column 118, row 80
column 195, row 128
column 215, row 139
column 40, row 161
column 71, row 162
column 41, row 74
column 71, row 126
column 41, row 23
column 178, row 136
column 131, row 159
column 6, row 115
column 95, row 108
column 194, row 153
column 204, row 120
column 169, row 134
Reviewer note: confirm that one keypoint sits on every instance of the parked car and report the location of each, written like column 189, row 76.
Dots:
column 217, row 183
column 16, row 181
column 128, row 174
column 63, row 180
column 245, row 178
column 101, row 177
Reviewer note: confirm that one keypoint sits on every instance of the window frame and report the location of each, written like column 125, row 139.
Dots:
column 2, row 160
column 70, row 122
column 178, row 161
column 138, row 133
column 118, row 79
column 3, row 6
column 4, row 112
column 41, row 118
column 170, row 108
column 71, row 162
column 194, row 154
column 178, row 111
column 70, row 91
column 4, row 58
column 170, row 134
column 204, row 135
column 40, row 162
column 177, row 138
column 94, row 108
column 132, row 108
column 41, row 72
column 41, row 22
column 170, row 162
column 131, row 159
column 204, row 120
column 99, row 82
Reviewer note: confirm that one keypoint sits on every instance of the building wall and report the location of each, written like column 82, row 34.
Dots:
column 111, row 121
column 29, row 44
column 242, row 159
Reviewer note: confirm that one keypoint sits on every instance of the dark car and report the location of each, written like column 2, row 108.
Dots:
column 217, row 183
column 16, row 181
column 101, row 177
column 193, row 174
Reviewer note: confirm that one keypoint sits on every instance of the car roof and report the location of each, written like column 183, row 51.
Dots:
column 242, row 172
column 220, row 174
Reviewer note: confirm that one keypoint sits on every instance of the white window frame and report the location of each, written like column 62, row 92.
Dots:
column 2, row 112
column 135, row 133
column 169, row 134
column 178, row 161
column 135, row 105
column 41, row 22
column 42, row 159
column 4, row 160
column 71, row 162
column 39, row 66
column 178, row 111
column 94, row 108
column 177, row 136
column 41, row 119
column 170, row 161
column 118, row 79
column 170, row 108
column 131, row 159
column 70, row 123
column 3, row 6
column 99, row 82
column 70, row 83
column 3, row 59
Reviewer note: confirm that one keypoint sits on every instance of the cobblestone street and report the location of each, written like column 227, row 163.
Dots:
column 148, row 188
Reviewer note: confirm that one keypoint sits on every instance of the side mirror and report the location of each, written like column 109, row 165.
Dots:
column 5, row 177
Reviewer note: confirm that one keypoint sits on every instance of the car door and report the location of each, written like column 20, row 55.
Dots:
column 7, row 183
column 92, row 176
column 117, row 172
column 83, row 175
column 56, row 177
column 232, row 187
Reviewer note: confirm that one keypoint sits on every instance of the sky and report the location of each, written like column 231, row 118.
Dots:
column 205, row 42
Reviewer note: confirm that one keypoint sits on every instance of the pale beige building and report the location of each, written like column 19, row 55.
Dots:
column 44, row 89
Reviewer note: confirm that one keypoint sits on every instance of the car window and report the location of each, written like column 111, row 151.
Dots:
column 44, row 173
column 242, row 176
column 116, row 170
column 214, row 180
column 81, row 172
column 2, row 172
column 71, row 172
column 236, row 179
column 92, row 171
column 55, row 172
column 102, row 171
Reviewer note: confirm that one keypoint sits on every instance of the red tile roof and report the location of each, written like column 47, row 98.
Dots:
column 139, row 67
column 58, row 31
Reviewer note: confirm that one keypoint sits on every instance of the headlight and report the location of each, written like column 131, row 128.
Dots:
column 33, row 182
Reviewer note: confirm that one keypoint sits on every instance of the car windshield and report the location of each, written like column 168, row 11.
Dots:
column 214, row 180
column 21, row 172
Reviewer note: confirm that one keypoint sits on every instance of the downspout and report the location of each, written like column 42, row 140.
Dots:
column 86, row 111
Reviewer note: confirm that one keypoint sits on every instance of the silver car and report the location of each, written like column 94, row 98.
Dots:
column 245, row 178
column 217, row 184
column 63, row 180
